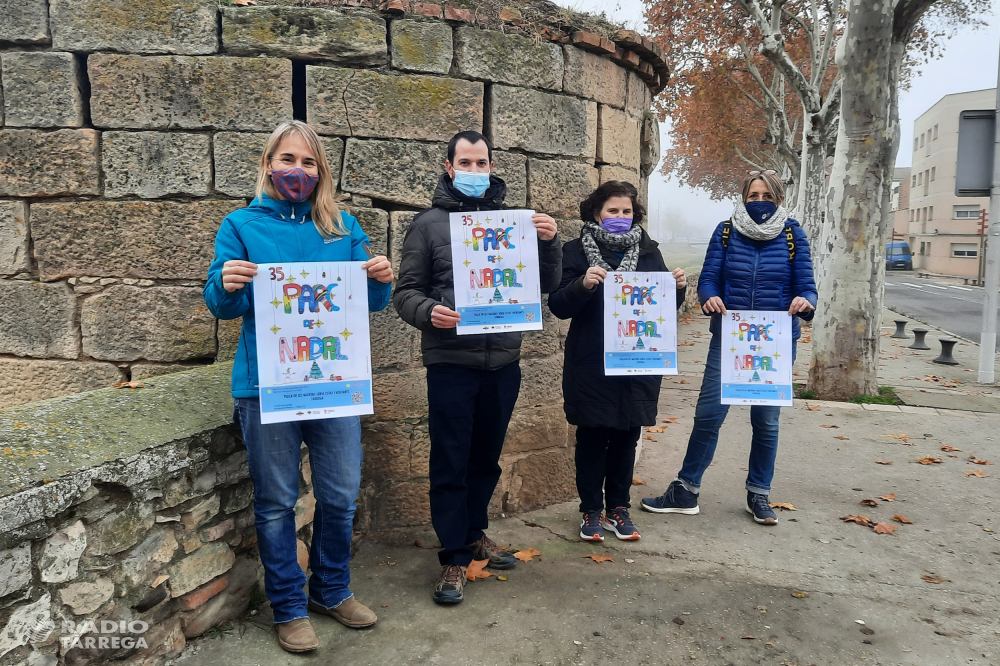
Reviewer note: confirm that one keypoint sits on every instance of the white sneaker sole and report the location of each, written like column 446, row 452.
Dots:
column 693, row 511
column 761, row 521
column 634, row 536
column 596, row 537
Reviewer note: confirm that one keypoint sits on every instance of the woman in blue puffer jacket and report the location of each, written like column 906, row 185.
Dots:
column 764, row 264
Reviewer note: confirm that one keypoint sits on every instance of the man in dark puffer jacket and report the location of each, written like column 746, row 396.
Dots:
column 472, row 380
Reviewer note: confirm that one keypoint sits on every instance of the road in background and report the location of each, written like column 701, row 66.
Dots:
column 946, row 304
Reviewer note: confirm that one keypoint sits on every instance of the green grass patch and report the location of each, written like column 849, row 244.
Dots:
column 802, row 393
column 886, row 396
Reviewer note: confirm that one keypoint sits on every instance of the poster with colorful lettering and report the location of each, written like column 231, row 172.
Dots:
column 313, row 343
column 756, row 358
column 640, row 324
column 494, row 257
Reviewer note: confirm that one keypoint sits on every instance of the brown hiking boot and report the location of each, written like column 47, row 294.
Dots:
column 486, row 549
column 450, row 588
column 297, row 635
column 351, row 613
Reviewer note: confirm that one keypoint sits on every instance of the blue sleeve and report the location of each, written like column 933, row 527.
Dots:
column 225, row 304
column 378, row 292
column 803, row 282
column 710, row 280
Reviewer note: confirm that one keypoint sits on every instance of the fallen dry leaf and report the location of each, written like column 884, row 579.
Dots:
column 244, row 3
column 883, row 462
column 902, row 519
column 678, row 621
column 657, row 429
column 884, row 528
column 841, row 437
column 933, row 579
column 891, row 497
column 748, row 637
column 785, row 506
column 899, row 435
column 868, row 502
column 638, row 482
column 811, row 408
column 829, row 426
column 799, row 595
column 649, row 437
column 475, row 570
column 976, row 472
column 131, row 384
column 600, row 558
column 927, row 460
column 525, row 554
column 670, row 419
column 977, row 461
column 949, row 448
column 859, row 519
column 867, row 631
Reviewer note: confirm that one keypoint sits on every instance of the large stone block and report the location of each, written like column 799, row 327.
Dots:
column 557, row 187
column 402, row 171
column 421, row 46
column 37, row 319
column 375, row 223
column 610, row 172
column 639, row 98
column 618, row 137
column 536, row 428
column 228, row 334
column 158, row 324
column 14, row 256
column 305, row 32
column 34, row 163
column 402, row 505
column 165, row 26
column 24, row 21
column 40, row 90
column 237, row 158
column 541, row 382
column 540, row 122
column 544, row 342
column 594, row 77
column 118, row 531
column 156, row 164
column 60, row 559
column 387, row 451
column 544, row 478
column 649, row 144
column 395, row 344
column 399, row 224
column 209, row 561
column 168, row 92
column 401, row 395
column 143, row 239
column 85, row 598
column 27, row 380
column 15, row 568
column 408, row 106
column 521, row 61
column 513, row 169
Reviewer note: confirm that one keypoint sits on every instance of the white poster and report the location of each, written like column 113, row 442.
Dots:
column 495, row 264
column 313, row 343
column 640, row 324
column 756, row 358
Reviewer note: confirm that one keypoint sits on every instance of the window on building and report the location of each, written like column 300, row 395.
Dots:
column 927, row 182
column 930, row 214
column 933, row 173
column 964, row 250
column 935, row 132
column 966, row 212
column 924, row 213
column 923, row 137
column 920, row 178
column 928, row 153
column 923, row 248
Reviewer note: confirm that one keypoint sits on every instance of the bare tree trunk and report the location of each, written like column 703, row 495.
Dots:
column 811, row 205
column 851, row 267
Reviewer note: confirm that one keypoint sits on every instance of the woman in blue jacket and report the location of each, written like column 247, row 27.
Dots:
column 759, row 260
column 295, row 218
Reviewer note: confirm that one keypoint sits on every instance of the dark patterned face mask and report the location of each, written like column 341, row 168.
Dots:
column 294, row 184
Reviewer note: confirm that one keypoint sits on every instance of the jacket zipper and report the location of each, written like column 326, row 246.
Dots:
column 753, row 282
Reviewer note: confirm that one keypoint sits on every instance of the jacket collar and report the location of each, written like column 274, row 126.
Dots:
column 286, row 210
column 449, row 198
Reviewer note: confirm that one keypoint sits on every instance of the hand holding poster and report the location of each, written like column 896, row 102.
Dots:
column 640, row 324
column 495, row 269
column 313, row 343
column 756, row 358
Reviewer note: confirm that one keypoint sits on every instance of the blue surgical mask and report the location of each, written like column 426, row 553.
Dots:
column 761, row 211
column 471, row 184
column 616, row 225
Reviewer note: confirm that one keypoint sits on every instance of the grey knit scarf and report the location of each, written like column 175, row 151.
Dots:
column 768, row 230
column 627, row 243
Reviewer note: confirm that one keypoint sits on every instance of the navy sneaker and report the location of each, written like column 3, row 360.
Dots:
column 618, row 521
column 758, row 506
column 676, row 499
column 499, row 558
column 590, row 527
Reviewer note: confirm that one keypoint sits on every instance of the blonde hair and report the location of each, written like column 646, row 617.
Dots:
column 774, row 185
column 325, row 213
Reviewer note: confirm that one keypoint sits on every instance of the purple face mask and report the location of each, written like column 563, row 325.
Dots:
column 294, row 184
column 616, row 225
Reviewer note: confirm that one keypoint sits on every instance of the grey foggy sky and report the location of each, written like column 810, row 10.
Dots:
column 969, row 63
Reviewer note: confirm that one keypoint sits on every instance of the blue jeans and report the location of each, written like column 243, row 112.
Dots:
column 273, row 451
column 708, row 418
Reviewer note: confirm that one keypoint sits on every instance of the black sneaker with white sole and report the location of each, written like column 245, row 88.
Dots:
column 675, row 499
column 759, row 507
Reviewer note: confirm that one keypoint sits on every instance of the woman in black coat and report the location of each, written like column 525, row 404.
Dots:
column 609, row 411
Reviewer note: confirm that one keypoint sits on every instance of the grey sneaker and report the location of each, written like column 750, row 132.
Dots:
column 450, row 588
column 486, row 549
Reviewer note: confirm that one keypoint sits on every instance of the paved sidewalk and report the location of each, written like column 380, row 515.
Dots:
column 717, row 588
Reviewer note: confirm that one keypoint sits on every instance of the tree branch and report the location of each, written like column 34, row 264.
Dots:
column 820, row 64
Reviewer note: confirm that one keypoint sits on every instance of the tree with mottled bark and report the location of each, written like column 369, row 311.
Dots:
column 849, row 255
